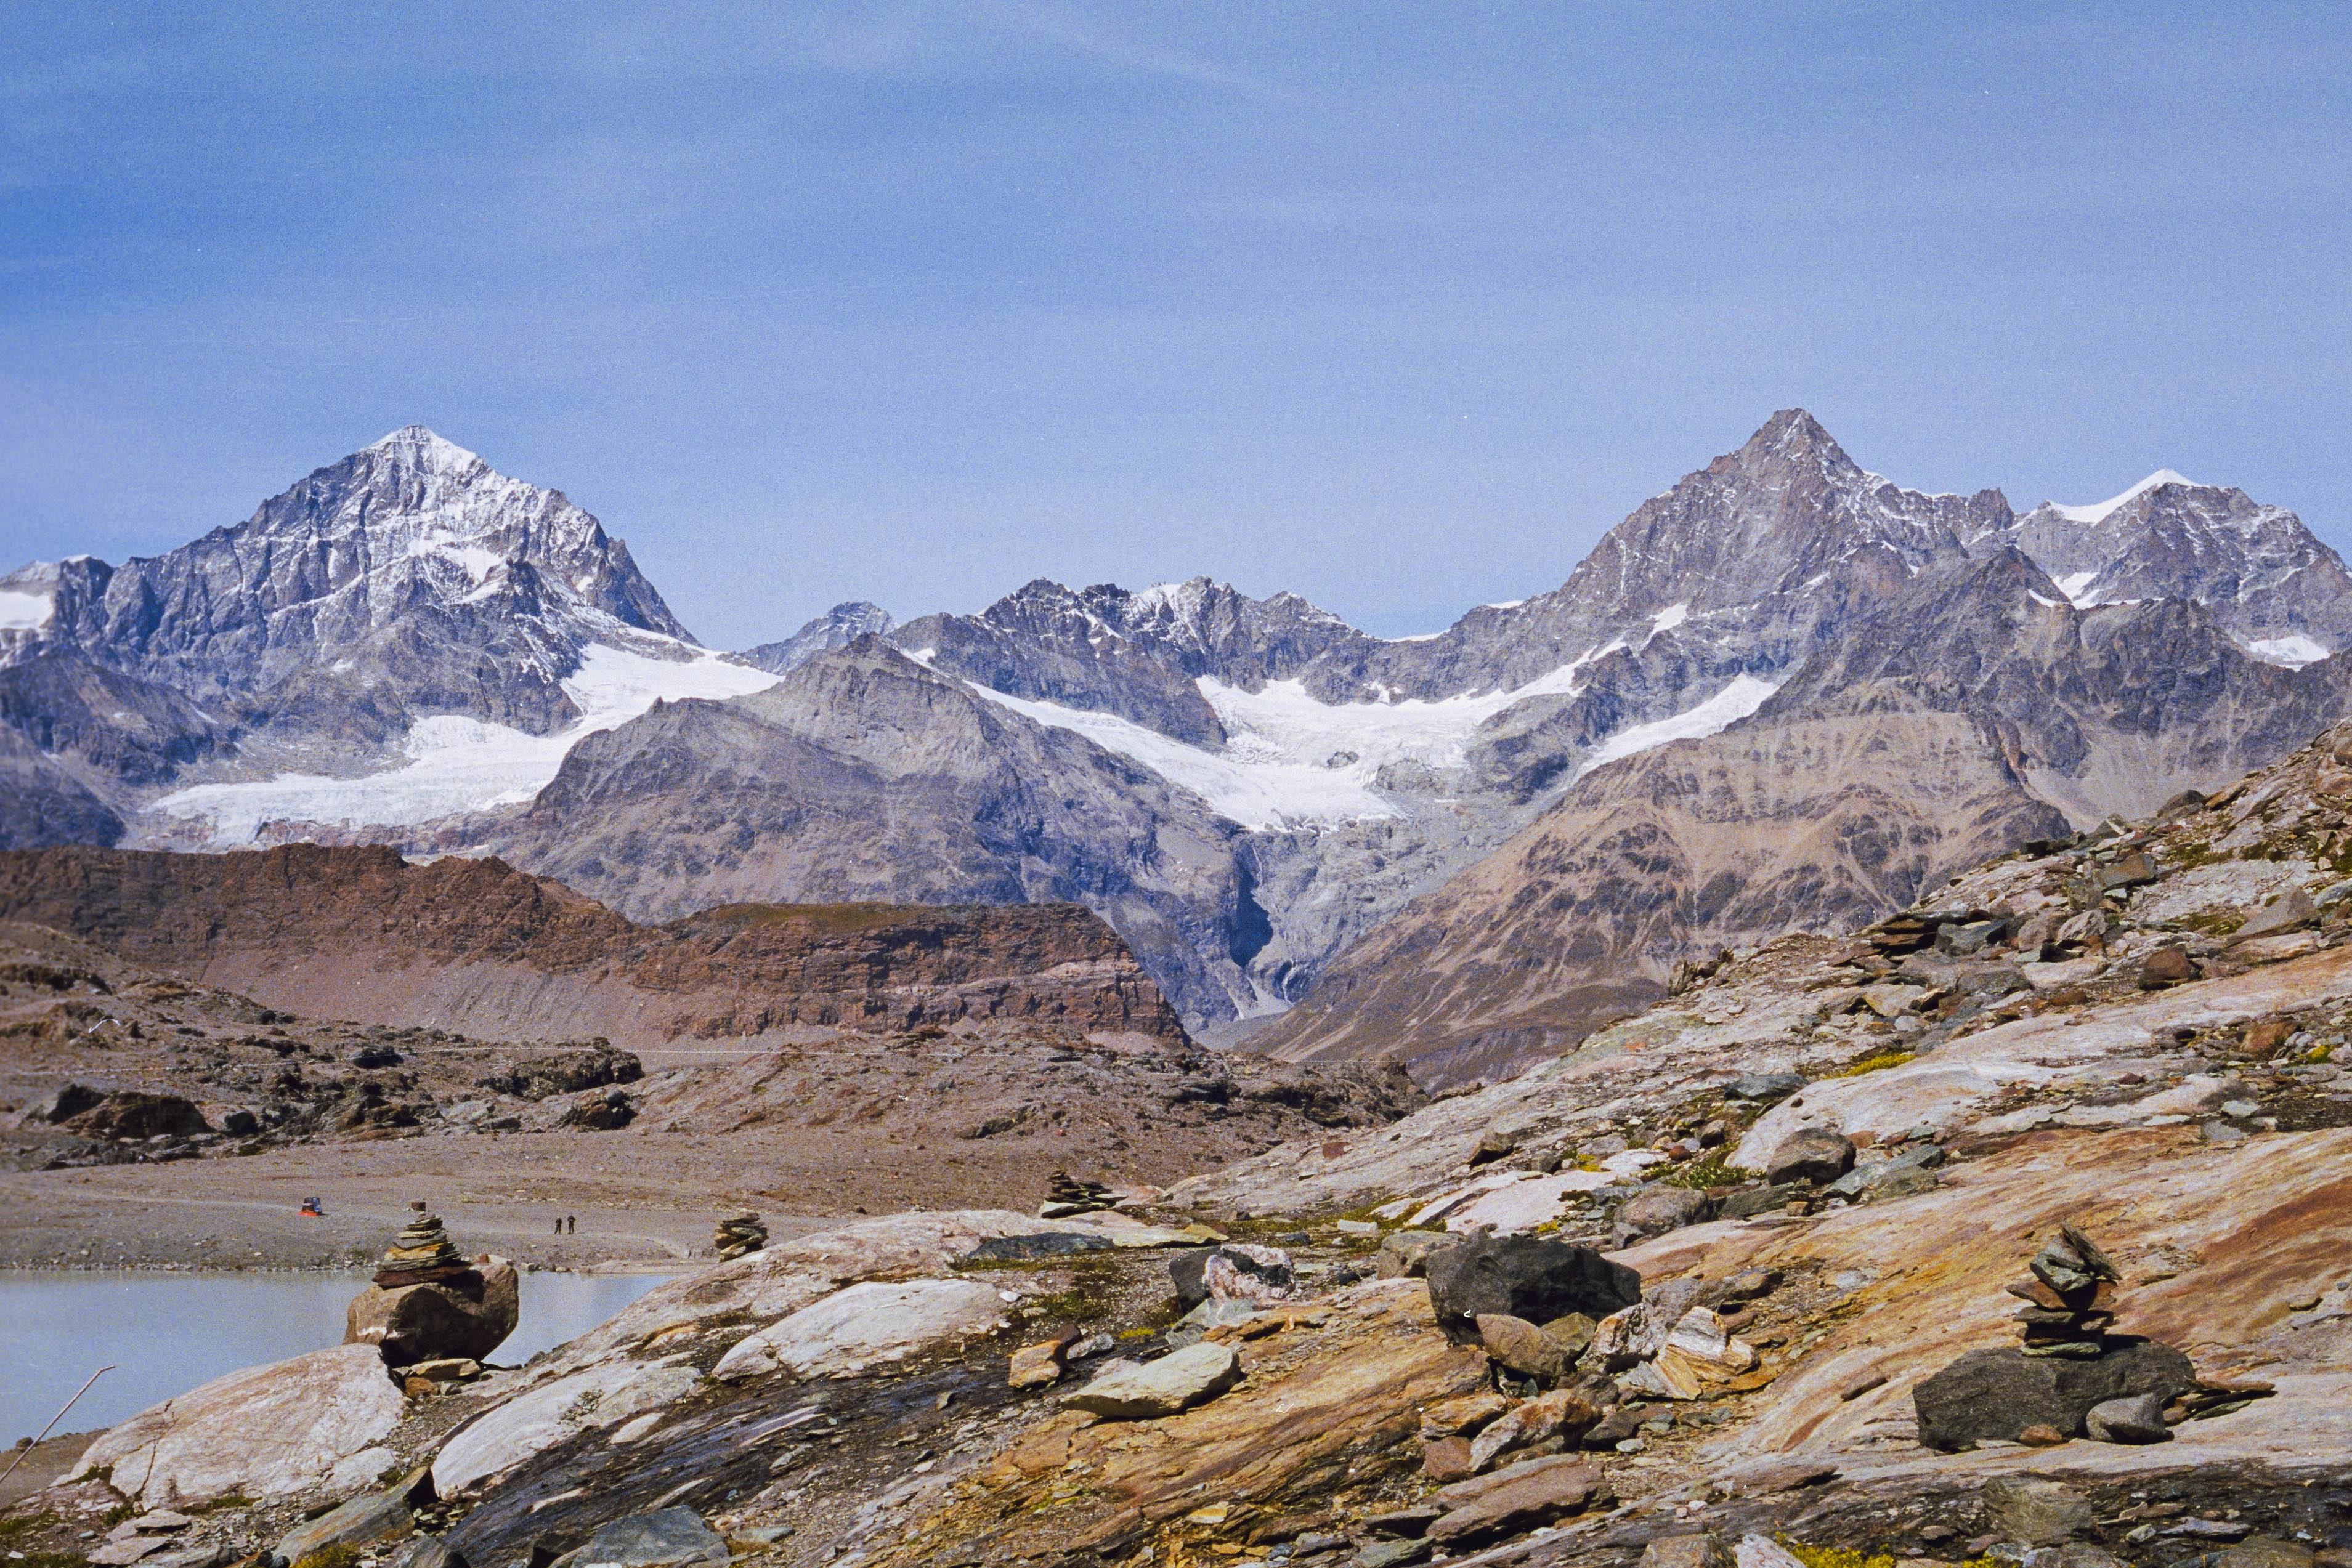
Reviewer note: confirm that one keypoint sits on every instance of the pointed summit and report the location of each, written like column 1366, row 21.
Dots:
column 422, row 447
column 1794, row 434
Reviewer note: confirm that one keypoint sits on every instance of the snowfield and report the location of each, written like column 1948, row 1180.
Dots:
column 1294, row 761
column 456, row 763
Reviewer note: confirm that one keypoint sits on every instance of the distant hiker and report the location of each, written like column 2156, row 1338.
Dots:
column 571, row 1224
column 558, row 1226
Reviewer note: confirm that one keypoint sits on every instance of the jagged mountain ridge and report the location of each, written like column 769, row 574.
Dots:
column 1313, row 778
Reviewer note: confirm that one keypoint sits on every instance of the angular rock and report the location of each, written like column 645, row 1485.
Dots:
column 425, row 1552
column 1462, row 1414
column 1522, row 1347
column 1764, row 1086
column 666, row 1538
column 2000, row 1393
column 1040, row 1365
column 371, row 1516
column 1513, row 1501
column 1238, row 1271
column 263, row 1432
column 1404, row 1254
column 1810, row 1153
column 1529, row 1277
column 1177, row 1381
column 1447, row 1458
column 1696, row 1550
column 2035, row 1513
column 1658, row 1209
column 1763, row 1551
column 2288, row 910
column 2166, row 967
column 865, row 1324
column 2137, row 1418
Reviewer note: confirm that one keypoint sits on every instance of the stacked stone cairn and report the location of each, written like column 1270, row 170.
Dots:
column 740, row 1236
column 2070, row 1301
column 422, row 1254
column 1065, row 1196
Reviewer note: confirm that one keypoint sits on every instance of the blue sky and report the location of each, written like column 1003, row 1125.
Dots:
column 1396, row 306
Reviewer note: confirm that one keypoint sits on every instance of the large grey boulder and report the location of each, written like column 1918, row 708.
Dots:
column 2000, row 1392
column 1530, row 1277
column 465, row 1317
column 1177, row 1381
column 1658, row 1209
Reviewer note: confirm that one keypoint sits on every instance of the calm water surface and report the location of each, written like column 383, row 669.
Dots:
column 168, row 1332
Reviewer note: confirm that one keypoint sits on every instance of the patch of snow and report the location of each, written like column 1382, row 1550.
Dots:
column 1666, row 620
column 1418, row 637
column 457, row 764
column 1735, row 702
column 1504, row 604
column 2042, row 599
column 1294, row 761
column 2073, row 586
column 21, row 611
column 1253, row 791
column 2099, row 512
column 2292, row 651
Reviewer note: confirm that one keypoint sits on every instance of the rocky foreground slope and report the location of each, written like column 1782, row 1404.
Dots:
column 2102, row 1078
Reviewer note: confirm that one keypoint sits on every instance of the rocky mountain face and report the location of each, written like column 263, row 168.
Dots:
column 406, row 586
column 476, row 947
column 836, row 628
column 408, row 648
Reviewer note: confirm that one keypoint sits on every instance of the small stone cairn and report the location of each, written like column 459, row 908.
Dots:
column 2070, row 1301
column 1065, row 1196
column 422, row 1254
column 741, row 1236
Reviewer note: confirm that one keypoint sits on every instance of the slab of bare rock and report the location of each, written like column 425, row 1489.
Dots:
column 1522, row 1347
column 1512, row 1502
column 1188, row 1271
column 2035, row 1513
column 1999, row 1394
column 864, row 1326
column 1658, row 1209
column 1404, row 1254
column 597, row 1398
column 371, row 1516
column 2265, row 1551
column 1754, row 1200
column 1696, row 1551
column 2138, row 1419
column 1392, row 1555
column 1177, row 1381
column 2288, row 910
column 263, row 1432
column 2166, row 967
column 130, row 1115
column 425, row 1552
column 1810, row 1154
column 1530, row 1277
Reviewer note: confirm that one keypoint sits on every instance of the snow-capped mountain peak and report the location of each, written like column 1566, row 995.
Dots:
column 2099, row 511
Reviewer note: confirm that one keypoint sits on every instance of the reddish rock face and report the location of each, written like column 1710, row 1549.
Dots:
column 476, row 945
